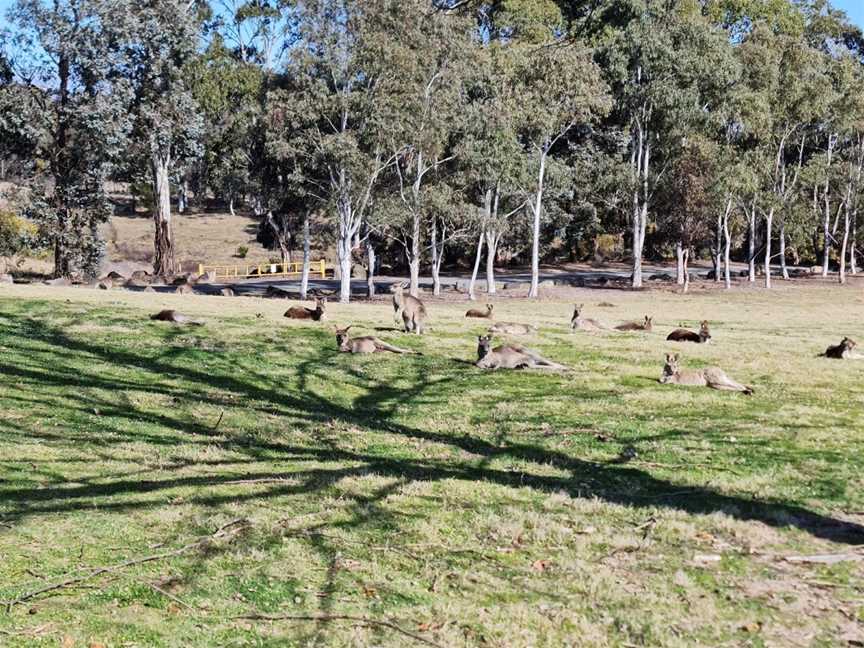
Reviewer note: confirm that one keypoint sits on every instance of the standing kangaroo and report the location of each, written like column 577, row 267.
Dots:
column 487, row 314
column 366, row 344
column 712, row 377
column 584, row 323
column 686, row 335
column 511, row 357
column 636, row 326
column 412, row 309
column 316, row 314
column 843, row 351
column 175, row 318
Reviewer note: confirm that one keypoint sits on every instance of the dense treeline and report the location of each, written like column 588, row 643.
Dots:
column 410, row 130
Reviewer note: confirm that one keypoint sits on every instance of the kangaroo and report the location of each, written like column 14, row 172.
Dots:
column 367, row 344
column 512, row 328
column 487, row 314
column 584, row 323
column 510, row 357
column 317, row 314
column 413, row 310
column 636, row 326
column 712, row 377
column 685, row 335
column 175, row 318
column 843, row 351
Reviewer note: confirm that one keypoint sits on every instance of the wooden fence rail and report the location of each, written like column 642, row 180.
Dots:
column 292, row 269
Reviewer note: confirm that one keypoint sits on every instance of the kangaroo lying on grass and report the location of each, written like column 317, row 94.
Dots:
column 584, row 323
column 843, row 351
column 512, row 328
column 175, row 318
column 316, row 314
column 712, row 377
column 511, row 357
column 636, row 326
column 487, row 314
column 685, row 335
column 412, row 309
column 366, row 344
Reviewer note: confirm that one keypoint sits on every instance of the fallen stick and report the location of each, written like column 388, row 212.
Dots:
column 337, row 617
column 98, row 571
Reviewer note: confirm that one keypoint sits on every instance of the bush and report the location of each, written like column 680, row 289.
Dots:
column 242, row 251
column 16, row 236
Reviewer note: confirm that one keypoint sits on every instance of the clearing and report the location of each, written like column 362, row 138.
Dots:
column 399, row 501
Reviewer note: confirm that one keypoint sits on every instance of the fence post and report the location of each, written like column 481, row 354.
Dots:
column 323, row 269
column 200, row 268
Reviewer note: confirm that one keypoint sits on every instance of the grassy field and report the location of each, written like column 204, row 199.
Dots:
column 245, row 469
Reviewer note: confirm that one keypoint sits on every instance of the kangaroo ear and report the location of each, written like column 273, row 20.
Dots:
column 676, row 357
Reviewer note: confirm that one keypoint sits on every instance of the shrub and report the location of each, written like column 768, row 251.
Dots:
column 242, row 251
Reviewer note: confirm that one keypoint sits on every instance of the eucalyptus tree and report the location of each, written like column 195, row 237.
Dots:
column 561, row 89
column 421, row 57
column 168, row 126
column 68, row 101
column 492, row 165
column 667, row 66
column 789, row 90
column 325, row 124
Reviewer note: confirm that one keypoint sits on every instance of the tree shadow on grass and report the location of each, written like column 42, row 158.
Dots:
column 49, row 351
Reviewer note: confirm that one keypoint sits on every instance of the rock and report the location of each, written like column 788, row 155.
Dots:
column 227, row 292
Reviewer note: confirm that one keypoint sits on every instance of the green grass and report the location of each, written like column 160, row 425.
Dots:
column 467, row 508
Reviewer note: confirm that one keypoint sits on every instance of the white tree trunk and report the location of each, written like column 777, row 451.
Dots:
column 537, row 210
column 476, row 269
column 370, row 268
column 718, row 247
column 679, row 262
column 727, row 245
column 491, row 251
column 304, row 276
column 343, row 254
column 686, row 269
column 164, row 261
column 843, row 246
column 782, row 234
column 751, row 243
column 769, row 221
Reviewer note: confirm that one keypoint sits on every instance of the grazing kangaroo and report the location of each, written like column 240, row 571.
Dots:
column 413, row 310
column 584, row 323
column 366, row 344
column 843, row 351
column 487, row 314
column 686, row 335
column 317, row 314
column 175, row 318
column 512, row 328
column 712, row 377
column 511, row 357
column 636, row 326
